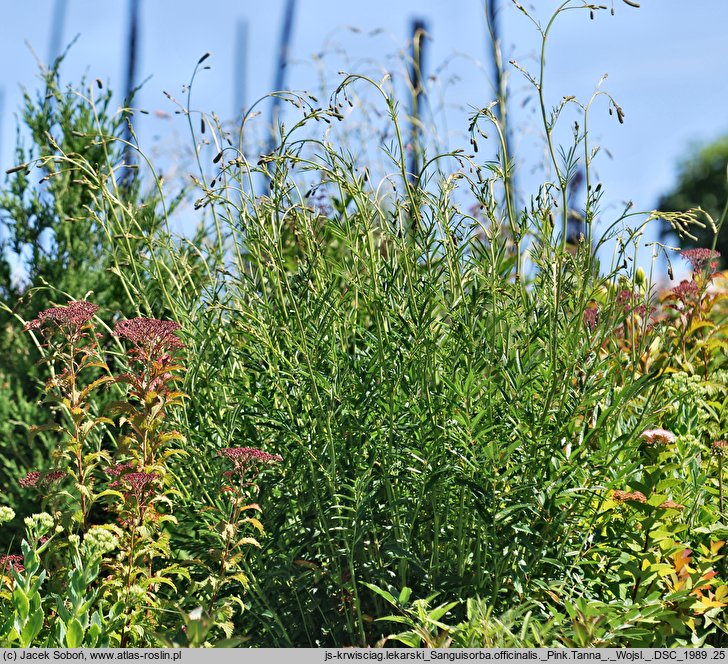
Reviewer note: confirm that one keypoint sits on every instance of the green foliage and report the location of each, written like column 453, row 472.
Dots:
column 426, row 627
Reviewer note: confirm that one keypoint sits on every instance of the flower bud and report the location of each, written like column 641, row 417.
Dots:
column 40, row 523
column 6, row 514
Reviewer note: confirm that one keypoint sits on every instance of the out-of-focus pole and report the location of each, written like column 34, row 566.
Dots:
column 280, row 77
column 241, row 66
column 131, row 69
column 416, row 81
column 57, row 23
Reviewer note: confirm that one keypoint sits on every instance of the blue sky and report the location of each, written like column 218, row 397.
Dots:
column 667, row 64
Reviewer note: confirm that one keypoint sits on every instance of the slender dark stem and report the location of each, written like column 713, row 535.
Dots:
column 644, row 550
column 234, row 516
column 132, row 544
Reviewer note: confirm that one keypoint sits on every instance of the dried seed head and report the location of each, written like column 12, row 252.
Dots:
column 624, row 496
column 671, row 505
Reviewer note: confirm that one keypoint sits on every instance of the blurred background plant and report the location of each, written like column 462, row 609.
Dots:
column 703, row 182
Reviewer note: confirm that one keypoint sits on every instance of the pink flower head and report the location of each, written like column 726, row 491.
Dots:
column 150, row 336
column 34, row 478
column 247, row 454
column 657, row 436
column 119, row 469
column 139, row 481
column 686, row 291
column 141, row 484
column 591, row 317
column 31, row 479
column 628, row 300
column 143, row 331
column 243, row 457
column 625, row 297
column 701, row 259
column 54, row 476
column 70, row 318
column 719, row 447
column 127, row 476
column 11, row 561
